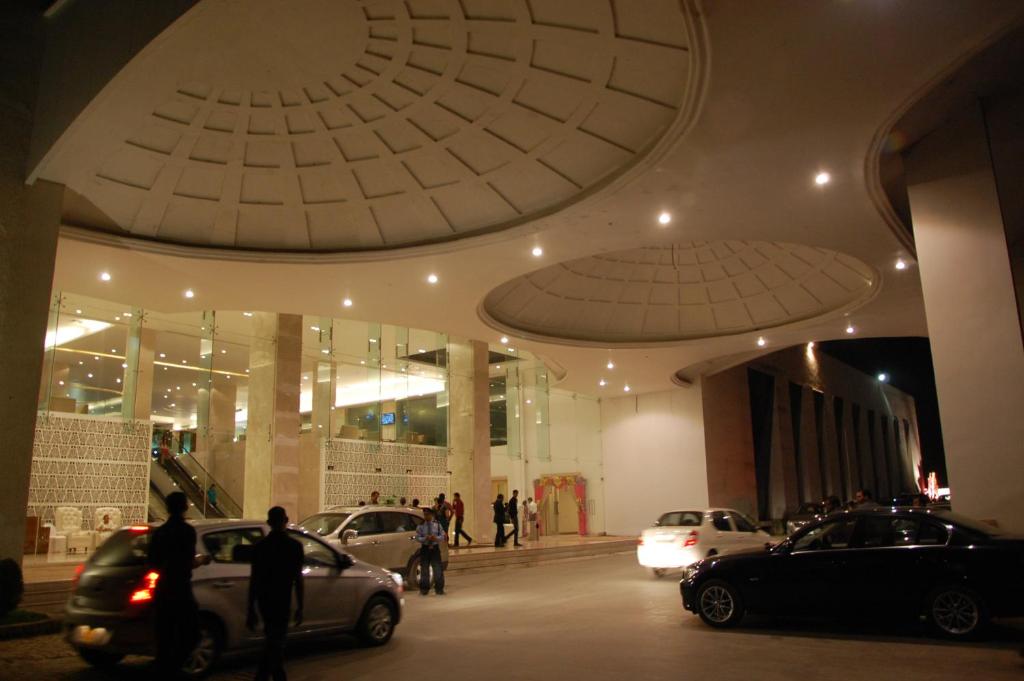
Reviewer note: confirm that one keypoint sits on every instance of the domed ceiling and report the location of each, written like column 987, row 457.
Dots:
column 684, row 291
column 338, row 125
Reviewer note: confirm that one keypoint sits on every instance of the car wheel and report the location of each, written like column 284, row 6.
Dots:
column 207, row 650
column 719, row 603
column 414, row 573
column 955, row 612
column 658, row 572
column 377, row 624
column 101, row 659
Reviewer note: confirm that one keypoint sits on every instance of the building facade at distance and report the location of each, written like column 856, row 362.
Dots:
column 583, row 250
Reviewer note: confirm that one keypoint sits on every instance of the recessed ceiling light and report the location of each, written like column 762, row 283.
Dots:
column 126, row 314
column 314, row 328
column 124, row 365
column 60, row 382
column 117, row 318
column 537, row 251
column 223, row 352
column 504, row 340
column 347, row 302
column 163, row 355
column 95, row 356
column 761, row 341
column 498, row 367
column 80, row 362
column 89, row 375
column 172, row 404
column 883, row 377
column 625, row 388
column 184, row 361
column 900, row 264
column 78, row 312
column 119, row 380
column 511, row 349
column 421, row 350
column 177, row 387
column 602, row 383
column 104, row 276
column 247, row 314
column 850, row 329
column 822, row 178
column 325, row 351
column 432, row 278
column 113, row 350
column 189, row 293
column 664, row 218
column 611, row 364
column 193, row 385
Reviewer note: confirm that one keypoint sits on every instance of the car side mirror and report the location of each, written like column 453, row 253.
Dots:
column 349, row 535
column 203, row 559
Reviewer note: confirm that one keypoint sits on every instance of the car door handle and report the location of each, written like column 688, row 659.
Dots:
column 223, row 584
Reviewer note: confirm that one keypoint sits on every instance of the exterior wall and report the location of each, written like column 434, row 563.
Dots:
column 575, row 448
column 351, row 469
column 654, row 456
column 879, row 456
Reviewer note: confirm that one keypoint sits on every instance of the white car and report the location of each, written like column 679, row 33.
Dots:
column 681, row 538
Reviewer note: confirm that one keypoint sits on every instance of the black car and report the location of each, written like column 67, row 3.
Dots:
column 879, row 563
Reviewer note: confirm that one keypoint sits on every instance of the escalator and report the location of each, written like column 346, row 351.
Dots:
column 184, row 474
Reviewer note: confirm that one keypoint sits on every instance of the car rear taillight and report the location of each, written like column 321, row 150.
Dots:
column 691, row 539
column 144, row 593
column 640, row 541
column 78, row 575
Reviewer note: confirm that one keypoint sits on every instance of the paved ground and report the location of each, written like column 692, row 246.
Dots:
column 598, row 619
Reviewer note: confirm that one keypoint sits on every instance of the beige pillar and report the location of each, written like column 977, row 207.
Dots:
column 972, row 316
column 137, row 398
column 469, row 443
column 272, row 442
column 29, row 218
column 810, row 457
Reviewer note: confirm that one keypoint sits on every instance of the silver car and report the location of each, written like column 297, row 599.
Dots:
column 109, row 613
column 379, row 535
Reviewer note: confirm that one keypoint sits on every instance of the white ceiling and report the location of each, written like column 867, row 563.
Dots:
column 681, row 291
column 778, row 93
column 329, row 125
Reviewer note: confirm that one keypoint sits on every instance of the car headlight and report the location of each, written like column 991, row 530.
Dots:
column 399, row 582
column 690, row 571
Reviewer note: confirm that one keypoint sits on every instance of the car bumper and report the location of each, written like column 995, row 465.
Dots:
column 666, row 556
column 110, row 632
column 687, row 592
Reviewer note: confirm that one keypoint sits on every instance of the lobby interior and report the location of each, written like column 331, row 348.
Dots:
column 476, row 246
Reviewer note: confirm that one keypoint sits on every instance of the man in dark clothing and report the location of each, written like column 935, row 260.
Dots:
column 513, row 517
column 443, row 512
column 430, row 534
column 276, row 569
column 499, row 520
column 460, row 515
column 172, row 555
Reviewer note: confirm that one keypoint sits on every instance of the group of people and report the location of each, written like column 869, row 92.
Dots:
column 505, row 513
column 276, row 574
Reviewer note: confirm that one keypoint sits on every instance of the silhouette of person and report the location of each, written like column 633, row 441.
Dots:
column 276, row 570
column 172, row 555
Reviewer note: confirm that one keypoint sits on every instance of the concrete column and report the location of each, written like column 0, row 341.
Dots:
column 972, row 316
column 830, row 457
column 29, row 218
column 272, row 443
column 783, row 485
column 809, row 454
column 469, row 439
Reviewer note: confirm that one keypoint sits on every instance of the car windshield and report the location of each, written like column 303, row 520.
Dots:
column 125, row 548
column 680, row 519
column 324, row 523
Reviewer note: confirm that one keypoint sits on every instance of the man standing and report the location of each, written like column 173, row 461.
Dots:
column 499, row 520
column 531, row 517
column 862, row 499
column 430, row 535
column 172, row 555
column 460, row 516
column 276, row 569
column 513, row 517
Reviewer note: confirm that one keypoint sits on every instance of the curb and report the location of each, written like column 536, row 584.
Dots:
column 26, row 629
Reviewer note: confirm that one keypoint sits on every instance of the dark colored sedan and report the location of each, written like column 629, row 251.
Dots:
column 879, row 563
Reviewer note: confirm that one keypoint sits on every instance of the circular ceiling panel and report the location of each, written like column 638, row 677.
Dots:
column 378, row 124
column 685, row 291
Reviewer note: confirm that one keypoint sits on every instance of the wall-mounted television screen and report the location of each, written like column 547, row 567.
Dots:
column 387, row 418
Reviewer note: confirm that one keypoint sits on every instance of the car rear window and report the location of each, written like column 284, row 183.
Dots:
column 681, row 519
column 123, row 548
column 324, row 523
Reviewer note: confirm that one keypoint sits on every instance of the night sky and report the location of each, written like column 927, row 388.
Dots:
column 908, row 362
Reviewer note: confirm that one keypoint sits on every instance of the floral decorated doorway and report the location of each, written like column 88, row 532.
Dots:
column 562, row 502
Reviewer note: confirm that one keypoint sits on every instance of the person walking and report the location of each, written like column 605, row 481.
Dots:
column 443, row 512
column 172, row 556
column 499, row 520
column 211, row 496
column 460, row 516
column 513, row 517
column 276, row 570
column 531, row 518
column 430, row 535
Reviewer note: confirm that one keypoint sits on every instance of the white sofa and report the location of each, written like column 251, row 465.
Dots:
column 67, row 536
column 106, row 521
